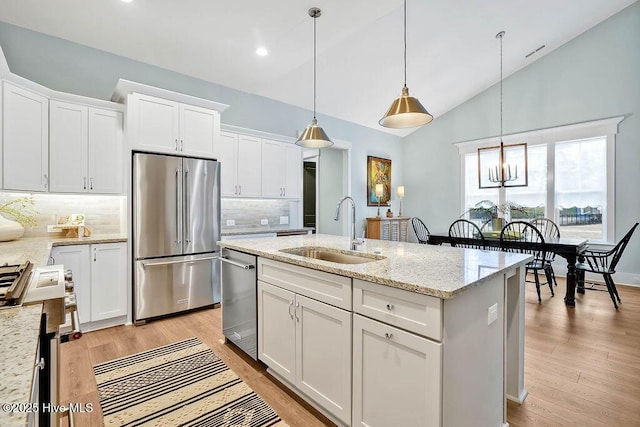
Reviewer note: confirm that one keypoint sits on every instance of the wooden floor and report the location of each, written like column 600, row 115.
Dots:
column 582, row 365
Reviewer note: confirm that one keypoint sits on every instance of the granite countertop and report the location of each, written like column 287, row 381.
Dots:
column 237, row 231
column 20, row 326
column 438, row 271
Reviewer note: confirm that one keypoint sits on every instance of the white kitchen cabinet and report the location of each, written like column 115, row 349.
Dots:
column 108, row 281
column 85, row 149
column 240, row 159
column 392, row 365
column 25, row 134
column 76, row 259
column 307, row 343
column 281, row 169
column 172, row 127
column 100, row 281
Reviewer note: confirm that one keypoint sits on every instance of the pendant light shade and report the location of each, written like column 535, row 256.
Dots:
column 405, row 111
column 313, row 136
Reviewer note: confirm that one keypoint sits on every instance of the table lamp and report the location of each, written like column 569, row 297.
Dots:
column 400, row 193
column 379, row 193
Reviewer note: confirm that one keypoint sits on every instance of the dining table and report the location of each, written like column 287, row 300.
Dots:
column 568, row 248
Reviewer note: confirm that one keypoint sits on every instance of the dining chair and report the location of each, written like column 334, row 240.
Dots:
column 549, row 230
column 604, row 262
column 469, row 234
column 421, row 230
column 524, row 232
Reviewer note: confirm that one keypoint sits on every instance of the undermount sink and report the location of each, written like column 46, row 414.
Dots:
column 333, row 255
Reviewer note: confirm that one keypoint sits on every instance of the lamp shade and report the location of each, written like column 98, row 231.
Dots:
column 405, row 112
column 400, row 191
column 314, row 137
column 379, row 190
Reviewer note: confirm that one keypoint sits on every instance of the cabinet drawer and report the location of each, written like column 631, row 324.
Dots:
column 417, row 313
column 324, row 287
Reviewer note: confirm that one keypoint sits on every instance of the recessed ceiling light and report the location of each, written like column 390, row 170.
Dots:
column 262, row 51
column 127, row 1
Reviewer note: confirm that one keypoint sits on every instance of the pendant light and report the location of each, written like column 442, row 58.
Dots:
column 313, row 136
column 500, row 173
column 405, row 111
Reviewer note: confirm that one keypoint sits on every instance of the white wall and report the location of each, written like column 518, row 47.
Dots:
column 594, row 76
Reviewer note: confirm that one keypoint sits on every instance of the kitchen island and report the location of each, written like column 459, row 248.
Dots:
column 409, row 335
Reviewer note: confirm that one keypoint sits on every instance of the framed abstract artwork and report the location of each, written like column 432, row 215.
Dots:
column 378, row 172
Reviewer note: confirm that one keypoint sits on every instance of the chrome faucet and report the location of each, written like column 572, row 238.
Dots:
column 355, row 242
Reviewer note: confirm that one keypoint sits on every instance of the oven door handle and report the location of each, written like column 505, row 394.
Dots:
column 184, row 261
column 237, row 264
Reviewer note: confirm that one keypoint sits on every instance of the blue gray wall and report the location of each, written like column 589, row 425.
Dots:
column 594, row 76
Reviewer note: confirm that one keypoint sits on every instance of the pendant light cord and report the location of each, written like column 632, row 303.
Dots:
column 405, row 43
column 501, row 87
column 314, row 66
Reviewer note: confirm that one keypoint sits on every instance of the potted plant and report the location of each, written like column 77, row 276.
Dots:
column 21, row 210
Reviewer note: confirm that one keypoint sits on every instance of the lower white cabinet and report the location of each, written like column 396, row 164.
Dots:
column 100, row 281
column 392, row 365
column 308, row 344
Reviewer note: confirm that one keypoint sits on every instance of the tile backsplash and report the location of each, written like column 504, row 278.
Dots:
column 104, row 214
column 249, row 212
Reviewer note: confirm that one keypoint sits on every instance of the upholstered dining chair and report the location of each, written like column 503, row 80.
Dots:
column 421, row 230
column 466, row 234
column 524, row 232
column 549, row 230
column 604, row 262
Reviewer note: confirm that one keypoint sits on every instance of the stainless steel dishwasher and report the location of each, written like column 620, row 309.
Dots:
column 239, row 300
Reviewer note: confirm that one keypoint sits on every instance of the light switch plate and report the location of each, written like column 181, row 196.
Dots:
column 264, row 222
column 231, row 222
column 284, row 220
column 492, row 314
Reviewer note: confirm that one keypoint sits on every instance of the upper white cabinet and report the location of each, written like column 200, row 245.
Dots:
column 85, row 149
column 281, row 169
column 172, row 127
column 25, row 139
column 240, row 162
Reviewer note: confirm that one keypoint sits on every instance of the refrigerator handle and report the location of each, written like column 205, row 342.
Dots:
column 177, row 208
column 154, row 264
column 187, row 213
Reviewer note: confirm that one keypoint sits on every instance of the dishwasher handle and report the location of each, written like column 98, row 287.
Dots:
column 237, row 264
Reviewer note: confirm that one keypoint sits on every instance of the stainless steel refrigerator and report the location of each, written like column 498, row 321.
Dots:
column 176, row 224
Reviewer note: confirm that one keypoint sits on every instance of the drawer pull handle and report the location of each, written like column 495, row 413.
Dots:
column 296, row 311
column 290, row 305
column 389, row 307
column 388, row 335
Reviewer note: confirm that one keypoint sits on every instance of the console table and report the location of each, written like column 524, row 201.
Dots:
column 394, row 229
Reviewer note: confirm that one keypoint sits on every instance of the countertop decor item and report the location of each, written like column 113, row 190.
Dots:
column 314, row 136
column 405, row 111
column 501, row 162
column 378, row 172
column 21, row 210
column 389, row 213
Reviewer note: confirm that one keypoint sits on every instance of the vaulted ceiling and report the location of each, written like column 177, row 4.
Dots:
column 451, row 46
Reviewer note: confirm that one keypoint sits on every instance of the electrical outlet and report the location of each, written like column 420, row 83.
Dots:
column 264, row 222
column 231, row 222
column 492, row 314
column 284, row 220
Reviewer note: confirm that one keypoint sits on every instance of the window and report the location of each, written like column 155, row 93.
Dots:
column 571, row 172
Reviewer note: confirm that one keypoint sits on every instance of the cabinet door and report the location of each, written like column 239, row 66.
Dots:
column 272, row 169
column 323, row 355
column 227, row 152
column 68, row 147
column 277, row 330
column 105, row 151
column 249, row 166
column 292, row 170
column 155, row 123
column 108, row 280
column 394, row 366
column 25, row 139
column 199, row 128
column 76, row 258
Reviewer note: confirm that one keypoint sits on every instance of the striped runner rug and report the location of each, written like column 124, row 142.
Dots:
column 181, row 384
